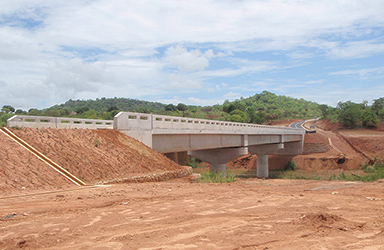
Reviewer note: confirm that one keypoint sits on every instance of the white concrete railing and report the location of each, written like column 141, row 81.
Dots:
column 57, row 122
column 158, row 123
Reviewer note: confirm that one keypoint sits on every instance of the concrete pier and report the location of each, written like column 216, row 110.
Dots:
column 262, row 152
column 217, row 158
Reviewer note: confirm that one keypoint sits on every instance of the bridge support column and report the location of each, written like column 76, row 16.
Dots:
column 262, row 166
column 262, row 152
column 217, row 158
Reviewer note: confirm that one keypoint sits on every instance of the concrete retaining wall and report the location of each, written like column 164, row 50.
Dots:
column 57, row 122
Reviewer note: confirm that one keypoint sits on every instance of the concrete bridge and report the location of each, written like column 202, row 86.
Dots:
column 212, row 141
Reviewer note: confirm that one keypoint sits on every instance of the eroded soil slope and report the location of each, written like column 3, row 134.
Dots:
column 91, row 155
column 330, row 148
column 21, row 171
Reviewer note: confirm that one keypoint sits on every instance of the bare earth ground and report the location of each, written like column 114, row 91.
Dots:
column 41, row 209
column 247, row 214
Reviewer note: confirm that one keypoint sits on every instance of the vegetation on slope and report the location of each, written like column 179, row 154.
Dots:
column 352, row 115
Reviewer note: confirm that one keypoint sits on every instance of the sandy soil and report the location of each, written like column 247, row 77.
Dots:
column 247, row 214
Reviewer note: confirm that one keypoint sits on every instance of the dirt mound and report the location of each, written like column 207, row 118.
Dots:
column 91, row 155
column 325, row 222
column 321, row 219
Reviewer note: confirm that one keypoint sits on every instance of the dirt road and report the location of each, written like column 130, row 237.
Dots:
column 247, row 214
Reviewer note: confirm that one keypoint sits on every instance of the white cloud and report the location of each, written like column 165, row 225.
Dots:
column 243, row 66
column 204, row 102
column 358, row 49
column 132, row 48
column 312, row 82
column 217, row 87
column 232, row 96
column 183, row 82
column 372, row 72
column 74, row 76
column 188, row 60
column 175, row 100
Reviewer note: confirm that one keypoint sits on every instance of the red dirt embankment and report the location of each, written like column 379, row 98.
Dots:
column 323, row 149
column 358, row 146
column 90, row 155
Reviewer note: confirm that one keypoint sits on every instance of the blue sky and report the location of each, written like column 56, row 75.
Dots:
column 193, row 52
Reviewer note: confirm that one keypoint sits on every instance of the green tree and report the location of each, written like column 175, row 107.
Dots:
column 324, row 110
column 350, row 114
column 112, row 108
column 170, row 107
column 182, row 107
column 369, row 118
column 236, row 118
column 20, row 112
column 8, row 109
column 3, row 119
column 378, row 107
column 241, row 113
column 260, row 117
column 33, row 112
column 82, row 110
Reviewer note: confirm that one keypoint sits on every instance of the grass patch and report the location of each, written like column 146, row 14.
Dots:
column 328, row 176
column 213, row 177
column 294, row 175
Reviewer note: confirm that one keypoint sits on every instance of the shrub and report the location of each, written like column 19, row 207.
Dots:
column 368, row 169
column 193, row 162
column 290, row 166
column 379, row 165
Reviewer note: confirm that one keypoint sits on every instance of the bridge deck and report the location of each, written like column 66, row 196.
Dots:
column 171, row 134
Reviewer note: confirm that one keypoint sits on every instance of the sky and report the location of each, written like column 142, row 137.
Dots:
column 197, row 52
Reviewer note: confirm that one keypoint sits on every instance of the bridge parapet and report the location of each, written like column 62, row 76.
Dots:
column 29, row 121
column 159, row 124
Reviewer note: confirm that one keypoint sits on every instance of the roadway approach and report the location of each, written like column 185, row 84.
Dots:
column 215, row 142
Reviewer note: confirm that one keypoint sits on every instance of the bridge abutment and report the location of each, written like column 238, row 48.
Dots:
column 217, row 158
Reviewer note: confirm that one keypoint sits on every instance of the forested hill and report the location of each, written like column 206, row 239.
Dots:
column 269, row 106
column 105, row 104
column 259, row 108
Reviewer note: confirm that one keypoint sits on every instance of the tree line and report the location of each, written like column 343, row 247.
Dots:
column 353, row 115
column 260, row 108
